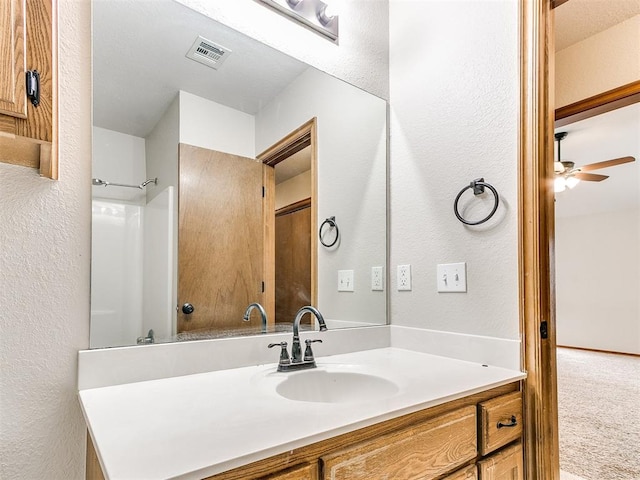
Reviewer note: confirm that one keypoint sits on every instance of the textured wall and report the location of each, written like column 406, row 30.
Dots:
column 454, row 117
column 362, row 57
column 599, row 63
column 598, row 280
column 44, row 289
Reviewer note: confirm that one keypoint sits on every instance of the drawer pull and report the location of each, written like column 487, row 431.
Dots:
column 513, row 423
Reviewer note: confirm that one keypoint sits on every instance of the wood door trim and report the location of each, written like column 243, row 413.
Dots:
column 557, row 3
column 536, row 232
column 273, row 154
column 601, row 103
column 294, row 207
column 297, row 140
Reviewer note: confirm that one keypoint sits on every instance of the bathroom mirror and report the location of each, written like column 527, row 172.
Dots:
column 170, row 85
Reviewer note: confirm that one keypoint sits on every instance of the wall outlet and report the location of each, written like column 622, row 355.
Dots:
column 404, row 277
column 345, row 281
column 452, row 277
column 377, row 278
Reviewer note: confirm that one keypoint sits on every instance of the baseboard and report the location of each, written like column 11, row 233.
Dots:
column 598, row 350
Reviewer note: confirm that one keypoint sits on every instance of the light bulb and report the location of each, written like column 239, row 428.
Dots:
column 332, row 9
column 559, row 184
column 572, row 182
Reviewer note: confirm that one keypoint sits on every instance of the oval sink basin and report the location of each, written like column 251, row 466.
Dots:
column 335, row 387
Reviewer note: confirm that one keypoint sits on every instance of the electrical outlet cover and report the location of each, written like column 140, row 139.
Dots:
column 377, row 278
column 404, row 277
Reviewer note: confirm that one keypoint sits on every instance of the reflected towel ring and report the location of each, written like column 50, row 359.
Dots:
column 331, row 221
column 478, row 186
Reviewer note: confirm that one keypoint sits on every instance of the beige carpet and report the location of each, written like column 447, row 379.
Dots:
column 599, row 414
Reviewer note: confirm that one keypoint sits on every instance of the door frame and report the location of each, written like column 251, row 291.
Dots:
column 536, row 240
column 304, row 136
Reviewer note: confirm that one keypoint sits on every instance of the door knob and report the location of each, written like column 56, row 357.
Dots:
column 187, row 309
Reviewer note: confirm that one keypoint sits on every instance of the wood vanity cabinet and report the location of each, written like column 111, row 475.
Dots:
column 459, row 440
column 28, row 42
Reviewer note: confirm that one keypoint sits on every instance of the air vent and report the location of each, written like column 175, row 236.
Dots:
column 208, row 53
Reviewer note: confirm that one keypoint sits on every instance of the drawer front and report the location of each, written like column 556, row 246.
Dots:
column 467, row 473
column 303, row 472
column 507, row 464
column 500, row 421
column 425, row 451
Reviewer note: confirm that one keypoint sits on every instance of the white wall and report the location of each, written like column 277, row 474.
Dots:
column 208, row 124
column 599, row 63
column 351, row 183
column 44, row 286
column 598, row 281
column 454, row 83
column 120, row 158
column 361, row 58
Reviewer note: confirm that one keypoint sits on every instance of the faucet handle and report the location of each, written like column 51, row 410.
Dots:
column 284, row 355
column 308, row 353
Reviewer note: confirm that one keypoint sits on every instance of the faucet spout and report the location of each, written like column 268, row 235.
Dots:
column 296, row 349
column 263, row 314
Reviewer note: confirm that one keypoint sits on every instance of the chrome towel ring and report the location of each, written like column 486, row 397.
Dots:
column 478, row 186
column 331, row 221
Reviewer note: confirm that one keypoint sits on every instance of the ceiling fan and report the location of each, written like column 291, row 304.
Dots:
column 568, row 175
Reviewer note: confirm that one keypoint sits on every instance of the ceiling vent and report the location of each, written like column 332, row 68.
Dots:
column 208, row 53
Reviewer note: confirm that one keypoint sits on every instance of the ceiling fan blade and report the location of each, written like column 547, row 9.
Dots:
column 607, row 163
column 589, row 177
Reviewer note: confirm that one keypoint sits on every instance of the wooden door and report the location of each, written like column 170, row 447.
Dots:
column 293, row 260
column 13, row 100
column 220, row 238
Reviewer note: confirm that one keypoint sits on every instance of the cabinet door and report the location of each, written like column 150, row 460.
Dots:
column 13, row 99
column 424, row 451
column 467, row 473
column 304, row 472
column 504, row 465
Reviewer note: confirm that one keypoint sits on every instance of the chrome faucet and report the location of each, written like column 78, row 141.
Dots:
column 263, row 314
column 297, row 360
column 150, row 338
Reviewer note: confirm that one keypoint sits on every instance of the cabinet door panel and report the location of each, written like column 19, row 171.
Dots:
column 13, row 100
column 467, row 473
column 504, row 465
column 304, row 472
column 425, row 451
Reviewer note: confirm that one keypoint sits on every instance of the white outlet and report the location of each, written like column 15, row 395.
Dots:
column 345, row 280
column 377, row 278
column 404, row 277
column 452, row 277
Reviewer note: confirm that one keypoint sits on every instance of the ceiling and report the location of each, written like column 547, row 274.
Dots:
column 294, row 165
column 139, row 64
column 577, row 20
column 603, row 137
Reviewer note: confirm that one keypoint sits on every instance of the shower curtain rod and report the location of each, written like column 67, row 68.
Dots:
column 98, row 182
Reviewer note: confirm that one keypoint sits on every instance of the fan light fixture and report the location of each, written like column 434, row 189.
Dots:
column 319, row 15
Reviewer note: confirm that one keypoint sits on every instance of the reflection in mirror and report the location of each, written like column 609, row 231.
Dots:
column 248, row 152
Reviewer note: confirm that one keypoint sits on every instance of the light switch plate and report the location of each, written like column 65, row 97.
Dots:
column 452, row 277
column 345, row 281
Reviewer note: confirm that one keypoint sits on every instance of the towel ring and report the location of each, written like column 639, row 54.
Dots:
column 478, row 186
column 331, row 221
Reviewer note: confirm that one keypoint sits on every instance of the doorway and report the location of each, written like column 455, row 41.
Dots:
column 291, row 222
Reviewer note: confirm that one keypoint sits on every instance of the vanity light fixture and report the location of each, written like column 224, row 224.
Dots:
column 316, row 14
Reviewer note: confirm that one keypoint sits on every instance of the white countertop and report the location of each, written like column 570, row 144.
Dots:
column 194, row 426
